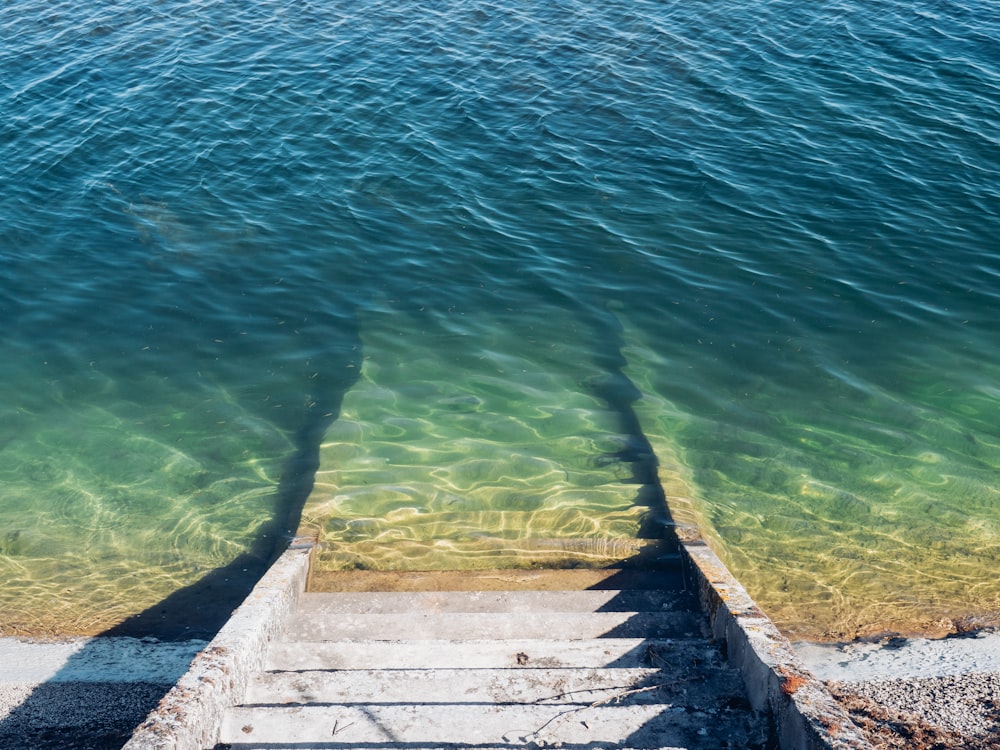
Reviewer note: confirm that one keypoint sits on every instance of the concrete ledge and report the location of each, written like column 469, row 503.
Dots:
column 189, row 716
column 805, row 714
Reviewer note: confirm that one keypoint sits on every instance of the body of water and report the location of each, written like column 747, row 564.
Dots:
column 461, row 262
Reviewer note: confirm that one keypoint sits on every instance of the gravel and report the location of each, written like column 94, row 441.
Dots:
column 83, row 693
column 918, row 693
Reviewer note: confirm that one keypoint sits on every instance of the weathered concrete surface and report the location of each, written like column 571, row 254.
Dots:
column 401, row 670
column 502, row 667
column 645, row 600
column 477, row 625
column 468, row 725
column 546, row 685
column 189, row 716
column 805, row 714
column 483, row 654
column 900, row 658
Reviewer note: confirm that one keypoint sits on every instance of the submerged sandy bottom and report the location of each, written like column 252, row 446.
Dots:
column 514, row 462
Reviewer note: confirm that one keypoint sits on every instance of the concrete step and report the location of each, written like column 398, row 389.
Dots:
column 495, row 601
column 468, row 725
column 484, row 625
column 463, row 684
column 430, row 686
column 488, row 539
column 487, row 654
column 609, row 531
column 377, row 746
column 577, row 659
column 623, row 686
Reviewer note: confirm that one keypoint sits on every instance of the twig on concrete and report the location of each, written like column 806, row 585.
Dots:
column 617, row 697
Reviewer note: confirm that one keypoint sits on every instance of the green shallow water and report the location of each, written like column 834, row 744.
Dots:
column 431, row 257
column 875, row 511
column 124, row 512
column 878, row 516
column 511, row 461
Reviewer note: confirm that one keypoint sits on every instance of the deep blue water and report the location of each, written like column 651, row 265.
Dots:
column 779, row 220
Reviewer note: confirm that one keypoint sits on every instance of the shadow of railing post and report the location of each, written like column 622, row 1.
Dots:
column 616, row 389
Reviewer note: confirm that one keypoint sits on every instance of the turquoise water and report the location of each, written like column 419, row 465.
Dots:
column 426, row 236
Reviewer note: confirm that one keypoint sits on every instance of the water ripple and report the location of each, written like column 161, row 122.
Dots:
column 793, row 209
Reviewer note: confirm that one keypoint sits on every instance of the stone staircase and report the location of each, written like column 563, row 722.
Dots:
column 577, row 659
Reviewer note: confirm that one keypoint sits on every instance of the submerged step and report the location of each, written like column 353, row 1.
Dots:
column 667, row 577
column 491, row 539
column 476, row 625
column 609, row 530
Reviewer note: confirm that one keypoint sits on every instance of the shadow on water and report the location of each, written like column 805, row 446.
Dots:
column 72, row 711
column 692, row 680
column 691, row 676
column 195, row 613
column 618, row 391
column 200, row 610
